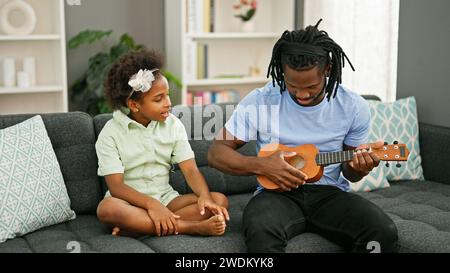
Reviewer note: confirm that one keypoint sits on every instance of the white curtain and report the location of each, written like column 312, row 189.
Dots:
column 367, row 31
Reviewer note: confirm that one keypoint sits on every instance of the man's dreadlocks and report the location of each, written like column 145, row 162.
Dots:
column 303, row 49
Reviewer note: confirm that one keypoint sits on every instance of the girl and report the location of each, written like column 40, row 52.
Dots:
column 135, row 151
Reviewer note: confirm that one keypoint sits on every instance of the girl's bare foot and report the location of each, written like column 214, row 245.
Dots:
column 214, row 226
column 116, row 231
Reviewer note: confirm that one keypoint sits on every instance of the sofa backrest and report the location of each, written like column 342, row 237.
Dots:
column 72, row 136
column 217, row 181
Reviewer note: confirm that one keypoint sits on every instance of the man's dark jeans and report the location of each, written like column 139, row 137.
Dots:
column 271, row 219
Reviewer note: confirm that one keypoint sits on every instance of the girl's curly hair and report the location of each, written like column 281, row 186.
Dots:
column 117, row 89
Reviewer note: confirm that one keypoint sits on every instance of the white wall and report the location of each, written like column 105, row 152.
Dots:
column 424, row 58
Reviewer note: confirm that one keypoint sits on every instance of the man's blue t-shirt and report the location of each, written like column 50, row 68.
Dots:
column 268, row 116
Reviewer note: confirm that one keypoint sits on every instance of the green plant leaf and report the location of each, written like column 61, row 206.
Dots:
column 88, row 37
column 127, row 40
column 78, row 88
column 98, row 67
column 118, row 50
column 249, row 14
column 99, row 91
column 92, row 108
column 130, row 42
column 103, row 107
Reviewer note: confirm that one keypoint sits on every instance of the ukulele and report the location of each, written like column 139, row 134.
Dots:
column 311, row 162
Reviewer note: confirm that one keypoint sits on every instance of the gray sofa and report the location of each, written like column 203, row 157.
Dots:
column 420, row 209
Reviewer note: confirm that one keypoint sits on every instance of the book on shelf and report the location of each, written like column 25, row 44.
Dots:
column 200, row 16
column 196, row 61
column 212, row 15
column 212, row 97
column 191, row 60
column 202, row 61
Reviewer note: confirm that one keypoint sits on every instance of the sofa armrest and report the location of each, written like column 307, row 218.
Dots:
column 435, row 151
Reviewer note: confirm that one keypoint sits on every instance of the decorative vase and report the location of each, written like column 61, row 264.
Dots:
column 29, row 66
column 9, row 72
column 23, row 79
column 9, row 24
column 248, row 26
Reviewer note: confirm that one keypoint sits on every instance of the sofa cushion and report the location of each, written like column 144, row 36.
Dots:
column 32, row 190
column 217, row 180
column 72, row 136
column 99, row 123
column 85, row 232
column 420, row 210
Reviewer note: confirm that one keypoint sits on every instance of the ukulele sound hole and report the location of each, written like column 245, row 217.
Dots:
column 297, row 162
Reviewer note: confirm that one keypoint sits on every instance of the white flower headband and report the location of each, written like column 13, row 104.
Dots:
column 142, row 81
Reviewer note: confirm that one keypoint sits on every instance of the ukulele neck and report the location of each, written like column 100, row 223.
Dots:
column 334, row 157
column 396, row 152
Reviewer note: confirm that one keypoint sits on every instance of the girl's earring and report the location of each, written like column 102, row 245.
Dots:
column 137, row 110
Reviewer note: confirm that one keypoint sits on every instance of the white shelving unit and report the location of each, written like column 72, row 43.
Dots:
column 30, row 38
column 214, row 82
column 47, row 44
column 230, row 51
column 231, row 35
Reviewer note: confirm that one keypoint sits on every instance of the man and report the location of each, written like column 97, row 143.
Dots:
column 305, row 104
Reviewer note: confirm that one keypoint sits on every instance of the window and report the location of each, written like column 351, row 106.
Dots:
column 367, row 31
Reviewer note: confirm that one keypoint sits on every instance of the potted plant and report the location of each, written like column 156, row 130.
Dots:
column 89, row 87
column 246, row 10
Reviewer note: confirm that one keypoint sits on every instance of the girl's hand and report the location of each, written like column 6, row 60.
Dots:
column 207, row 202
column 164, row 220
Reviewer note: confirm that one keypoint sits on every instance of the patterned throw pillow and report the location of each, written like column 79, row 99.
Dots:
column 32, row 191
column 376, row 179
column 397, row 121
column 391, row 122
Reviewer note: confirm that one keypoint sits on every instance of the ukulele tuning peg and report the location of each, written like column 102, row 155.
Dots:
column 385, row 143
column 396, row 142
column 398, row 165
column 387, row 165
